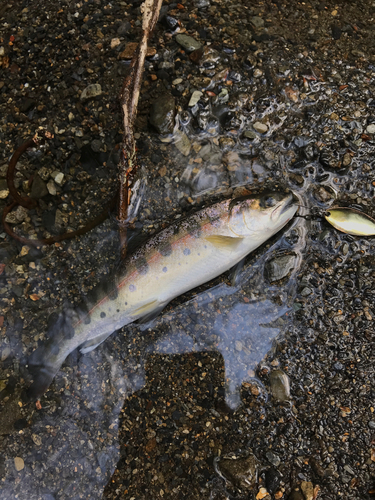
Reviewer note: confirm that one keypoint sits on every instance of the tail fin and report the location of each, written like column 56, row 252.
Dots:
column 45, row 361
column 41, row 373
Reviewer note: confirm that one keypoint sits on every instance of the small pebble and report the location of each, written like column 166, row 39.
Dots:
column 59, row 178
column 19, row 464
column 93, row 90
column 188, row 42
column 260, row 127
column 196, row 95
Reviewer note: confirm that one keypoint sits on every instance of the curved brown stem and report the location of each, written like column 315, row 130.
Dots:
column 27, row 202
column 55, row 239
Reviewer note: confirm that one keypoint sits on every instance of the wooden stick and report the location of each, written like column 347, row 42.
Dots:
column 129, row 97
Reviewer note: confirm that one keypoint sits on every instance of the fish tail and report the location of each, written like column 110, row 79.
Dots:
column 46, row 360
column 42, row 373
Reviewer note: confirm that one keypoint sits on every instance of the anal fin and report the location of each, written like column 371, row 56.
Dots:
column 91, row 344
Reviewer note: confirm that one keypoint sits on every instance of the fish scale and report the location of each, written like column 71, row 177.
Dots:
column 186, row 254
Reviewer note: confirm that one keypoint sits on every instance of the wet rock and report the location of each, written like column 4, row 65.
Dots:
column 260, row 127
column 279, row 384
column 272, row 480
column 242, row 472
column 307, row 489
column 58, row 177
column 336, row 32
column 162, row 114
column 330, row 159
column 51, row 186
column 306, row 291
column 323, row 194
column 170, row 22
column 201, row 4
column 210, row 58
column 91, row 91
column 371, row 128
column 257, row 22
column 96, row 145
column 38, row 188
column 4, row 191
column 26, row 105
column 263, row 494
column 273, row 458
column 188, row 42
column 196, row 56
column 182, row 143
column 347, row 159
column 226, row 143
column 249, row 134
column 279, row 267
column 296, row 494
column 196, row 95
column 60, row 219
column 19, row 463
column 124, row 28
column 17, row 216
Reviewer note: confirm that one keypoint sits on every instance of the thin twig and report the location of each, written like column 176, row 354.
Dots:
column 129, row 102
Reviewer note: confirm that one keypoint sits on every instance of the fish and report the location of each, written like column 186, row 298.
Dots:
column 350, row 221
column 184, row 255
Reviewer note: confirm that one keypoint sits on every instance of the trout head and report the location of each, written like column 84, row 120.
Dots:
column 261, row 216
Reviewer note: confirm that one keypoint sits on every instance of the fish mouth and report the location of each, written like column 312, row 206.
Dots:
column 284, row 206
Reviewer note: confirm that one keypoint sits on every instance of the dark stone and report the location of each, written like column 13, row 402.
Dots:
column 20, row 424
column 162, row 114
column 170, row 22
column 272, row 480
column 38, row 188
column 26, row 105
column 162, row 74
column 336, row 32
column 124, row 28
column 155, row 158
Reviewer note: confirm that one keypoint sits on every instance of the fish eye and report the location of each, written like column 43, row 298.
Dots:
column 269, row 202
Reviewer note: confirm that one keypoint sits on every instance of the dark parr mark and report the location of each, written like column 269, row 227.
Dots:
column 87, row 320
column 103, row 314
column 132, row 288
column 166, row 250
column 165, row 269
column 141, row 265
column 195, row 230
column 186, row 251
column 113, row 294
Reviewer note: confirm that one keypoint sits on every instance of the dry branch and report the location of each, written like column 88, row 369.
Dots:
column 129, row 102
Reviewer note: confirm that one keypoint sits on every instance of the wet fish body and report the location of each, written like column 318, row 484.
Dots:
column 351, row 221
column 183, row 256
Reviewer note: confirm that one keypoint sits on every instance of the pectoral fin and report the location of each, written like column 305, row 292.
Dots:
column 224, row 242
